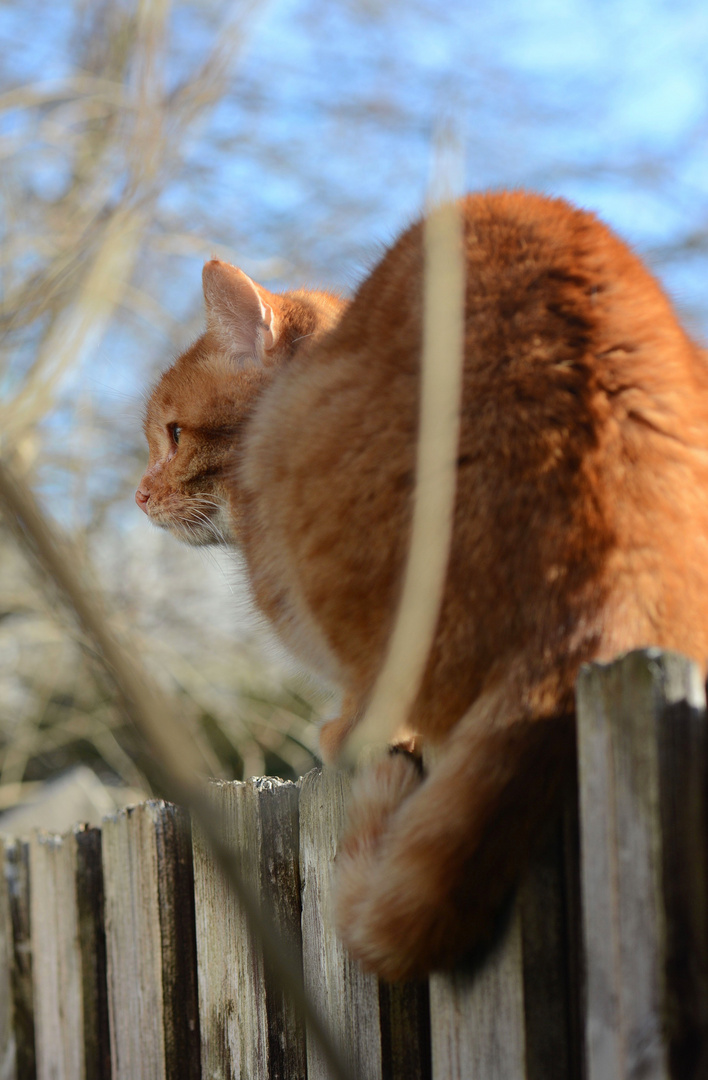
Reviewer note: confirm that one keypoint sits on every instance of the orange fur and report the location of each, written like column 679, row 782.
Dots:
column 580, row 531
column 209, row 393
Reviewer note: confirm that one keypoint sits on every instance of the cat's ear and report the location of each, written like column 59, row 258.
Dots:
column 239, row 311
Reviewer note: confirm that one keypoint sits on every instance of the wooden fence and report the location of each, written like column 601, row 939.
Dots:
column 123, row 955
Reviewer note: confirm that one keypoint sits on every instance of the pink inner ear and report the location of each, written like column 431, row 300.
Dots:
column 236, row 311
column 268, row 335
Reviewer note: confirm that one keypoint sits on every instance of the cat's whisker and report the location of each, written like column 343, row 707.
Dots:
column 197, row 507
column 205, row 500
column 196, row 518
column 206, row 522
column 218, row 533
column 112, row 391
column 204, row 550
column 107, row 422
column 199, row 516
column 208, row 555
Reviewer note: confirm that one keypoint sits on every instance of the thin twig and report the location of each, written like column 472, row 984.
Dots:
column 436, row 483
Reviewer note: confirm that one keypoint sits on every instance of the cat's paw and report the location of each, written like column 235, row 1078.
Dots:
column 334, row 733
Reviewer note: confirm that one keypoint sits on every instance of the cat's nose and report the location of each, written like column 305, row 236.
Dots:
column 141, row 498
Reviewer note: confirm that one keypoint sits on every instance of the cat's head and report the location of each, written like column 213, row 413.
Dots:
column 199, row 406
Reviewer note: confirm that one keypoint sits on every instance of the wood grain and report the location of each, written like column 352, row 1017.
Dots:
column 8, row 1054
column 92, row 942
column 150, row 944
column 248, row 1028
column 643, row 768
column 512, row 1011
column 511, row 1015
column 17, row 880
column 477, row 1017
column 346, row 996
column 58, row 998
column 69, row 974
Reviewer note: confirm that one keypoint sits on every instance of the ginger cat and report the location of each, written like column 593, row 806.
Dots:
column 581, row 528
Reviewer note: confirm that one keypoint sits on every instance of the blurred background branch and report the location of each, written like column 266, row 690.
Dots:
column 140, row 137
column 173, row 754
column 87, row 160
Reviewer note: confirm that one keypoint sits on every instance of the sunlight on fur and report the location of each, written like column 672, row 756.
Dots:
column 576, row 532
column 436, row 481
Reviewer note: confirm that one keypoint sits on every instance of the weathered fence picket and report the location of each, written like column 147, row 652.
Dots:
column 150, row 944
column 377, row 1028
column 69, row 956
column 511, row 1016
column 8, row 1053
column 346, row 996
column 16, row 880
column 643, row 767
column 477, row 1018
column 247, row 1028
column 166, row 982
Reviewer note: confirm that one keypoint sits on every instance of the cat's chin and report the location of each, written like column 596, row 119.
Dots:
column 193, row 535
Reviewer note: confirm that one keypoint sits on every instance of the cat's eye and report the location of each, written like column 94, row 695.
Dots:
column 176, row 431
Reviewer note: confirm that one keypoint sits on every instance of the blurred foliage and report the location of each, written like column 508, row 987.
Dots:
column 139, row 137
column 86, row 161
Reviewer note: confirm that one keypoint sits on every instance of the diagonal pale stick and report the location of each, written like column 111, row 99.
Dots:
column 436, row 481
column 177, row 756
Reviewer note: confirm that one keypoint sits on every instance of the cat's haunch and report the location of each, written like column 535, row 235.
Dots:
column 580, row 528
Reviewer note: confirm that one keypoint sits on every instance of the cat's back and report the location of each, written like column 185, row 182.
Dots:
column 548, row 286
column 574, row 361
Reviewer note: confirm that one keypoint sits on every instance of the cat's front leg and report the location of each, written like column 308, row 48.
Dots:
column 334, row 733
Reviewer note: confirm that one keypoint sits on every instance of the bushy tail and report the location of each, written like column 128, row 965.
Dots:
column 427, row 862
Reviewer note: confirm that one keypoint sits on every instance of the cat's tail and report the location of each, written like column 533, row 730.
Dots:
column 427, row 862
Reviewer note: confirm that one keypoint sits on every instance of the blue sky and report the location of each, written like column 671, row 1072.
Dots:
column 320, row 152
column 605, row 102
column 350, row 93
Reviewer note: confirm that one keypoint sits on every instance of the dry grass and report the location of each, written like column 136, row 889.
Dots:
column 134, row 683
column 176, row 759
column 436, row 465
column 73, row 262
